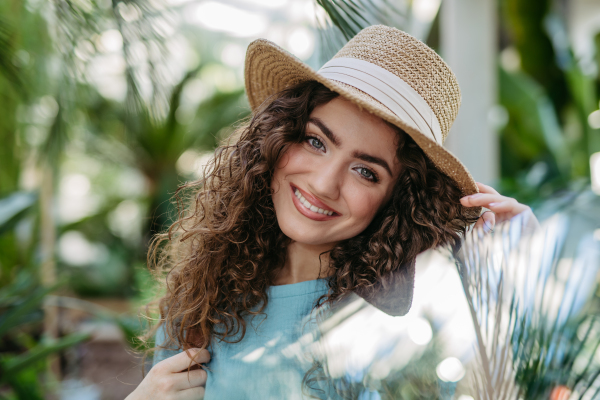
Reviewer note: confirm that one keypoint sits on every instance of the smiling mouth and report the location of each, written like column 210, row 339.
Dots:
column 309, row 206
column 311, row 210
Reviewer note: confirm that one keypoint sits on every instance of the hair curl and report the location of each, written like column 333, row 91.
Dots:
column 226, row 245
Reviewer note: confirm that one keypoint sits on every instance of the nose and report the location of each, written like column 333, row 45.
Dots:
column 327, row 181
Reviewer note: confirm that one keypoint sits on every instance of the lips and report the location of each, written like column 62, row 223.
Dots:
column 314, row 215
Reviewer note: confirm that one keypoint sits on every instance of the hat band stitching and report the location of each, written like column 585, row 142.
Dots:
column 406, row 103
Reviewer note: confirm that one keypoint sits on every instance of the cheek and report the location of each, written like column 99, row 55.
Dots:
column 291, row 162
column 364, row 205
column 288, row 164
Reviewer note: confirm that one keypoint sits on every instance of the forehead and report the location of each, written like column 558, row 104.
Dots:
column 358, row 129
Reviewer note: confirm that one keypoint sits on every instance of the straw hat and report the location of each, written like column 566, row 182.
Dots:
column 388, row 73
column 419, row 71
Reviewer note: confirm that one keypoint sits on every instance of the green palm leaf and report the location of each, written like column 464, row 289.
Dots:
column 14, row 207
column 15, row 365
column 531, row 297
column 348, row 17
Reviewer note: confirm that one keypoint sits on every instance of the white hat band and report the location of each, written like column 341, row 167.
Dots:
column 388, row 89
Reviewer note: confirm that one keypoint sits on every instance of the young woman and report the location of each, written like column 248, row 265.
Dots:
column 334, row 186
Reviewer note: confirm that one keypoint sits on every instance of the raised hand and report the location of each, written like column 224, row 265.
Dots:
column 170, row 379
column 503, row 208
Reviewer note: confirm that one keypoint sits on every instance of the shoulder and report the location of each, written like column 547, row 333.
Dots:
column 164, row 347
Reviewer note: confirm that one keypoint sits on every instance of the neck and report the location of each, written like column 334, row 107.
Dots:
column 304, row 262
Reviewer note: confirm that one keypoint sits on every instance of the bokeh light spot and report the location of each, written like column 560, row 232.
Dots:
column 450, row 370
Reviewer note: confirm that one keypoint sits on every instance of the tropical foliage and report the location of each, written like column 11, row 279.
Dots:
column 533, row 299
column 56, row 121
column 124, row 149
column 549, row 97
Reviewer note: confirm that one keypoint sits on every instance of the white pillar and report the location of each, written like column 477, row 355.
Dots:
column 469, row 45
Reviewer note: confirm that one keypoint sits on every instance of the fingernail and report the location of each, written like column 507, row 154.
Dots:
column 493, row 204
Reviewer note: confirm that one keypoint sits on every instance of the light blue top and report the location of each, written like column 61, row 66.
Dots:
column 268, row 363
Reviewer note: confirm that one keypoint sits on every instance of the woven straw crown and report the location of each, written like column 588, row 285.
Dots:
column 415, row 63
column 270, row 69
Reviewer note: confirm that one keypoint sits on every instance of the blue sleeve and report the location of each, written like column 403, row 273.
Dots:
column 160, row 339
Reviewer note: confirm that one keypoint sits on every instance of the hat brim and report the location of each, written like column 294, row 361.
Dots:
column 270, row 69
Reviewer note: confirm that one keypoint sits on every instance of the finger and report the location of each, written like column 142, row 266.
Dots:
column 187, row 380
column 511, row 206
column 182, row 360
column 195, row 393
column 483, row 188
column 482, row 199
column 202, row 357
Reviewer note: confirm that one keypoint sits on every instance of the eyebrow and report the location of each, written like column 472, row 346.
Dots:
column 356, row 154
column 372, row 159
column 326, row 131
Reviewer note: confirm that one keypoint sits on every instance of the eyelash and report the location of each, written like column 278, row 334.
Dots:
column 374, row 177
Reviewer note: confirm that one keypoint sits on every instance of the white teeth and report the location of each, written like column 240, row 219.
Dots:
column 307, row 204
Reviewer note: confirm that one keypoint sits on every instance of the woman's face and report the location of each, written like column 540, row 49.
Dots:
column 330, row 187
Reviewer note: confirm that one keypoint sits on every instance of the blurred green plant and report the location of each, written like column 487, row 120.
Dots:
column 22, row 354
column 18, row 208
column 548, row 141
column 418, row 379
column 533, row 298
column 53, row 110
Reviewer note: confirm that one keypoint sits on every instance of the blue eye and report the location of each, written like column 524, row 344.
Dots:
column 367, row 174
column 316, row 143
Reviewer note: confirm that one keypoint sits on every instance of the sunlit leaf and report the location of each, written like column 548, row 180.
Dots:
column 14, row 207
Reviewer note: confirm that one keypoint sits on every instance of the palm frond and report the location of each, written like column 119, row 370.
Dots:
column 531, row 297
column 347, row 17
column 144, row 27
column 148, row 30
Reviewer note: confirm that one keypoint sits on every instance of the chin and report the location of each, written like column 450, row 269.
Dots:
column 304, row 235
column 307, row 234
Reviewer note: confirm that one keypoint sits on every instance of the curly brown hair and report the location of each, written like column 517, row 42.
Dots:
column 226, row 245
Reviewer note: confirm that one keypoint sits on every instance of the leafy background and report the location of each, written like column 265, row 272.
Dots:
column 109, row 105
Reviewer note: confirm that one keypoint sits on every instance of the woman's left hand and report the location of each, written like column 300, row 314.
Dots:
column 503, row 208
